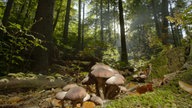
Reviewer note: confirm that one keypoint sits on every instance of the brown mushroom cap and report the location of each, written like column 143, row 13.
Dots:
column 104, row 66
column 60, row 95
column 115, row 80
column 76, row 93
column 69, row 86
column 102, row 73
column 100, row 65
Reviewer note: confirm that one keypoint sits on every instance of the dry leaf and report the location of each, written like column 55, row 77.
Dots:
column 145, row 88
column 88, row 104
column 185, row 86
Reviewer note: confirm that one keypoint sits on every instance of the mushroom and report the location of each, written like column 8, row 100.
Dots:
column 69, row 86
column 76, row 95
column 113, row 85
column 104, row 66
column 101, row 75
column 97, row 100
column 61, row 96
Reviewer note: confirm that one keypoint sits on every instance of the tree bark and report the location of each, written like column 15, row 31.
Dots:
column 7, row 12
column 26, row 14
column 19, row 15
column 83, row 31
column 165, row 12
column 79, row 27
column 66, row 25
column 109, row 19
column 43, row 29
column 124, row 57
column 157, row 25
column 101, row 20
column 57, row 15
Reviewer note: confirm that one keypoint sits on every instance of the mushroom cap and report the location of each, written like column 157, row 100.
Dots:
column 120, row 76
column 97, row 100
column 143, row 76
column 87, row 80
column 104, row 66
column 76, row 93
column 123, row 89
column 60, row 95
column 69, row 86
column 87, row 97
column 135, row 76
column 102, row 73
column 100, row 65
column 115, row 80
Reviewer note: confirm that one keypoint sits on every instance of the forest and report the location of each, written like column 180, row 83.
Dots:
column 95, row 53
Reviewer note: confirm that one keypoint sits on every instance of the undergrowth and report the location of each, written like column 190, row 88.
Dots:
column 167, row 96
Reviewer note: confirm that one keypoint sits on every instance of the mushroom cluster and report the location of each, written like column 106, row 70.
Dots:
column 106, row 79
column 76, row 94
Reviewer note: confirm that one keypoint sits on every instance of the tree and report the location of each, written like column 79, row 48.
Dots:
column 165, row 25
column 57, row 14
column 83, row 31
column 66, row 25
column 101, row 20
column 154, row 4
column 122, row 30
column 79, row 27
column 7, row 12
column 43, row 29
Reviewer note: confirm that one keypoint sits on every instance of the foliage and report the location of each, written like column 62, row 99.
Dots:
column 111, row 55
column 16, row 45
column 183, row 18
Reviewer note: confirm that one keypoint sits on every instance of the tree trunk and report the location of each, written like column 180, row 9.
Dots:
column 96, row 21
column 66, row 25
column 101, row 20
column 83, row 31
column 109, row 19
column 157, row 25
column 122, row 30
column 26, row 14
column 165, row 12
column 79, row 27
column 19, row 15
column 7, row 12
column 57, row 15
column 43, row 29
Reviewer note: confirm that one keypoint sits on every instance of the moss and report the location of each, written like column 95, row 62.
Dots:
column 167, row 96
column 159, row 65
column 158, row 98
column 167, row 61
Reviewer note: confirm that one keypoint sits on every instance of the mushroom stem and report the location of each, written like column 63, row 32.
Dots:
column 62, row 104
column 100, row 87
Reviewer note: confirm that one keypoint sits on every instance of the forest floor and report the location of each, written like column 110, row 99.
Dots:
column 38, row 91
